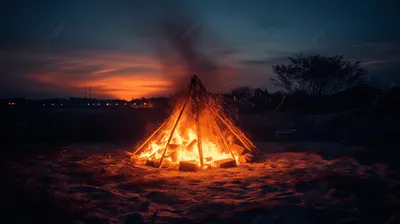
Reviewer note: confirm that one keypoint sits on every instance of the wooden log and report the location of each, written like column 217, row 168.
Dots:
column 190, row 147
column 174, row 146
column 187, row 166
column 226, row 163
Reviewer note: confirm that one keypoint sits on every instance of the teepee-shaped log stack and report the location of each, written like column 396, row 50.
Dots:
column 197, row 135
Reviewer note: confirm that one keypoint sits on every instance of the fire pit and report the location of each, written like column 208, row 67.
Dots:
column 198, row 135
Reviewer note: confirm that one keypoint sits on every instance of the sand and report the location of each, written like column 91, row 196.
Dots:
column 313, row 184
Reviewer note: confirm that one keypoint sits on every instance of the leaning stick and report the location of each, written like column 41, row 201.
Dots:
column 172, row 133
column 152, row 135
column 222, row 137
column 230, row 123
column 238, row 134
column 199, row 146
column 244, row 138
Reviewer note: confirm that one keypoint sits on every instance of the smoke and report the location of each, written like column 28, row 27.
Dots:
column 178, row 37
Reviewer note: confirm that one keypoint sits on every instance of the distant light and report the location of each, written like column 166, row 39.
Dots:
column 88, row 104
column 52, row 104
column 108, row 104
column 144, row 103
column 9, row 103
column 61, row 104
column 125, row 104
column 98, row 104
column 116, row 104
column 134, row 104
column 93, row 104
column 44, row 104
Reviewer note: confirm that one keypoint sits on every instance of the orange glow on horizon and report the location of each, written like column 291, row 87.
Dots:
column 125, row 88
column 118, row 78
column 112, row 75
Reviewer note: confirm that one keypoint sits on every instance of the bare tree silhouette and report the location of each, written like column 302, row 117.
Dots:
column 317, row 75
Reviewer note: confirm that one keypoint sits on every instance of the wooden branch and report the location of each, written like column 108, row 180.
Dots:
column 243, row 139
column 199, row 145
column 154, row 134
column 222, row 137
column 172, row 132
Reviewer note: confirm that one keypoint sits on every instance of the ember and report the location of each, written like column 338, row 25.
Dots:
column 196, row 134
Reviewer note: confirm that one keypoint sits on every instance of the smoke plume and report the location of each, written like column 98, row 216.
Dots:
column 177, row 36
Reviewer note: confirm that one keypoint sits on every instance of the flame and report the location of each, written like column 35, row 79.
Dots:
column 196, row 133
column 216, row 142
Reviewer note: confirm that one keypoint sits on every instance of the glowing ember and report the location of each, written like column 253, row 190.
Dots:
column 197, row 132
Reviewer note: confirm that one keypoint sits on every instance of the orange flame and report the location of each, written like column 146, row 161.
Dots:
column 205, row 139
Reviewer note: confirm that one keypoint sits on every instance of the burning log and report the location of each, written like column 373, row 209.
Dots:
column 226, row 163
column 173, row 147
column 191, row 145
column 187, row 166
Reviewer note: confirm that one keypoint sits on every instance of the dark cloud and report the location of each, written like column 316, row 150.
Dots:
column 134, row 70
column 268, row 61
column 82, row 69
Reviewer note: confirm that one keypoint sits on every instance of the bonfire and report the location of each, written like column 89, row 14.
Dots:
column 198, row 135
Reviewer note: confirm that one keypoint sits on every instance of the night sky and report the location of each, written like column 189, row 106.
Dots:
column 57, row 48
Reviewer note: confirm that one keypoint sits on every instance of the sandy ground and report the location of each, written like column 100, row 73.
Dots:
column 313, row 183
